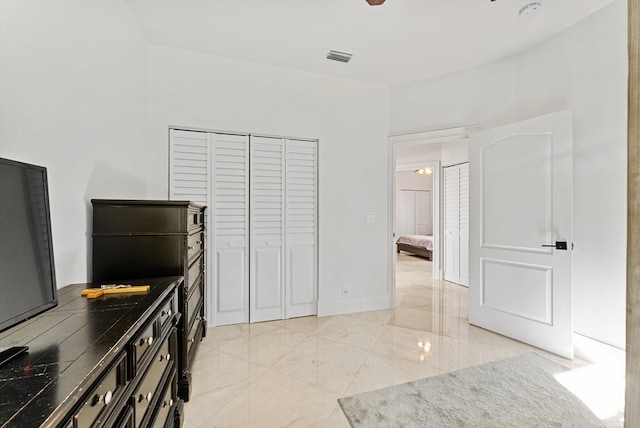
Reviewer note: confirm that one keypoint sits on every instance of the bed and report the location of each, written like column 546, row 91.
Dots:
column 420, row 245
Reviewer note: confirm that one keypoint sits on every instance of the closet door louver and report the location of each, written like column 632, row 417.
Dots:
column 230, row 212
column 301, row 228
column 267, row 229
column 189, row 172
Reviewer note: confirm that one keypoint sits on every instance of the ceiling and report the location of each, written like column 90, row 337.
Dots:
column 399, row 41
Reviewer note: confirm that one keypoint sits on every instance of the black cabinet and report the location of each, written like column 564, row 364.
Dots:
column 145, row 238
column 87, row 365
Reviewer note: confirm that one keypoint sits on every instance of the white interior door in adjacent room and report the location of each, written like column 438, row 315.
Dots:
column 521, row 231
column 456, row 223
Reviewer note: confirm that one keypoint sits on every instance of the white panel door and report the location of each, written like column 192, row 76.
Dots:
column 266, row 290
column 301, row 228
column 451, row 224
column 230, row 218
column 520, row 201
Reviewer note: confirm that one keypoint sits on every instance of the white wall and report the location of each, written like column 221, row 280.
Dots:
column 72, row 98
column 351, row 121
column 583, row 69
column 455, row 152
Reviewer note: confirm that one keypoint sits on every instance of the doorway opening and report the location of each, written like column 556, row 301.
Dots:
column 416, row 206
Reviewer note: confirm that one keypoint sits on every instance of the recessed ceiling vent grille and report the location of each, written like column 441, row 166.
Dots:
column 339, row 56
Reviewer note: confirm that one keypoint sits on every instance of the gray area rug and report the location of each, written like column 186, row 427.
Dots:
column 516, row 392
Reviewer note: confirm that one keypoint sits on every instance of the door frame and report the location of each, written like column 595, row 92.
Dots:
column 418, row 139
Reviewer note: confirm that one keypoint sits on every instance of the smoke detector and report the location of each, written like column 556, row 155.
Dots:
column 339, row 56
column 530, row 8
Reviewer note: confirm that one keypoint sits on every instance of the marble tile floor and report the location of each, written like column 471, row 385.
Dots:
column 289, row 373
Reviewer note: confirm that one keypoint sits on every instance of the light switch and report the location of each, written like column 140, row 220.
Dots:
column 369, row 217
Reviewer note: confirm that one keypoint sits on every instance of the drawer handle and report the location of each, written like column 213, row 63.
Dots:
column 166, row 403
column 167, row 357
column 106, row 398
column 191, row 247
column 166, row 313
column 147, row 397
column 193, row 339
column 148, row 341
column 198, row 242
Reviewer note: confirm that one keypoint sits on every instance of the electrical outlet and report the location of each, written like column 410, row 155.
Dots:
column 345, row 290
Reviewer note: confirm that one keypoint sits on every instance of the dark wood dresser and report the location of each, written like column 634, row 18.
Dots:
column 147, row 238
column 105, row 362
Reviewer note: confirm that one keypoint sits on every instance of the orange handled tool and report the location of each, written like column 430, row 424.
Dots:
column 93, row 293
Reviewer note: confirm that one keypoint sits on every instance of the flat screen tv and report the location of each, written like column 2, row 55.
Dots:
column 27, row 273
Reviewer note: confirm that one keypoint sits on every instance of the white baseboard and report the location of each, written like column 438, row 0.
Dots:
column 349, row 305
column 597, row 352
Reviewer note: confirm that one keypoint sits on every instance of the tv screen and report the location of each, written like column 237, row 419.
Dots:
column 27, row 274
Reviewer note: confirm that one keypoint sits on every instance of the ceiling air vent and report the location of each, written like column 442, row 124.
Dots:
column 339, row 56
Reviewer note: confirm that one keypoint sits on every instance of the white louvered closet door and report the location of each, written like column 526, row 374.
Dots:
column 189, row 172
column 451, row 224
column 463, row 224
column 266, row 289
column 456, row 224
column 407, row 212
column 301, row 228
column 230, row 217
column 423, row 212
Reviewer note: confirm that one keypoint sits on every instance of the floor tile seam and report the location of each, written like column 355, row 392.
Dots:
column 236, row 395
column 211, row 414
column 242, row 357
column 335, row 342
column 298, row 380
column 393, row 357
column 342, row 343
column 315, row 385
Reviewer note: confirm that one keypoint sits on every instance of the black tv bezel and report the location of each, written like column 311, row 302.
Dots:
column 10, row 322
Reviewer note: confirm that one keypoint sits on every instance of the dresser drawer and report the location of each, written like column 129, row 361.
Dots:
column 194, row 302
column 195, row 245
column 193, row 332
column 143, row 343
column 193, row 275
column 130, row 257
column 195, row 218
column 166, row 313
column 143, row 396
column 97, row 405
column 165, row 407
column 138, row 219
